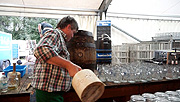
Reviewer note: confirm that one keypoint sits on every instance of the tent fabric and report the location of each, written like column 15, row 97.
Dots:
column 49, row 12
column 68, row 4
column 151, row 9
column 87, row 23
column 144, row 29
column 85, row 11
column 49, row 9
column 140, row 18
column 143, row 7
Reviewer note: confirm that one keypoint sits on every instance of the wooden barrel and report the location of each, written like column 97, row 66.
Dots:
column 87, row 86
column 82, row 50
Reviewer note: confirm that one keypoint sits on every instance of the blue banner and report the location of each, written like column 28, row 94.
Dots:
column 5, row 46
column 104, row 23
column 15, row 51
column 103, row 55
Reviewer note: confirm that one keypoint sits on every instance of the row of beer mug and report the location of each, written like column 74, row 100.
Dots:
column 137, row 72
column 168, row 96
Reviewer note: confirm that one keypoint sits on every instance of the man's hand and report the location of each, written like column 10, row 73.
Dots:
column 73, row 69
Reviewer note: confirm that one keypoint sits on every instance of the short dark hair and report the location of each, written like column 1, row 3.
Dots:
column 68, row 20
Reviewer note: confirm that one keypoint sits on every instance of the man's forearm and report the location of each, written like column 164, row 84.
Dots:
column 59, row 61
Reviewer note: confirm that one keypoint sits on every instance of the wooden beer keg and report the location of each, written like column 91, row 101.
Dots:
column 82, row 50
column 87, row 86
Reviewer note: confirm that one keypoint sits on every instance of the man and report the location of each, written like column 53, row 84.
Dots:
column 53, row 70
column 43, row 27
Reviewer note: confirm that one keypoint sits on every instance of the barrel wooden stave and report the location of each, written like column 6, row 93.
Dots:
column 82, row 50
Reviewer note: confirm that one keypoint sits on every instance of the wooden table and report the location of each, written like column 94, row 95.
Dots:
column 20, row 94
column 118, row 92
column 122, row 92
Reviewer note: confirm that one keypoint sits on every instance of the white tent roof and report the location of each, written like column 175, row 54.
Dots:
column 148, row 9
column 53, row 8
column 45, row 8
column 158, row 7
column 145, row 8
column 80, row 4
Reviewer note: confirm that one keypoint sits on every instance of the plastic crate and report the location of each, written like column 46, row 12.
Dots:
column 19, row 68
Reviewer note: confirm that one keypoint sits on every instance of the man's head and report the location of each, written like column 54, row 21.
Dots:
column 43, row 27
column 69, row 26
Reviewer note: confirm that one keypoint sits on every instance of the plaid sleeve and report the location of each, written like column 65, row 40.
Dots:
column 47, row 47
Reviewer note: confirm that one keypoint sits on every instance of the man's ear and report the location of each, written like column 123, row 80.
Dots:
column 69, row 26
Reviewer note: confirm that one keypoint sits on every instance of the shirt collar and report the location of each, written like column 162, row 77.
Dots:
column 63, row 34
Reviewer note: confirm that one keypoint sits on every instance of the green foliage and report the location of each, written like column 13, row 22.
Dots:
column 23, row 28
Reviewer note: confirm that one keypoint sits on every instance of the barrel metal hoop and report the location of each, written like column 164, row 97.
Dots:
column 91, row 45
column 84, row 33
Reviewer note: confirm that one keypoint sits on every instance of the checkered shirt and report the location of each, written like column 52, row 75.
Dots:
column 48, row 77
